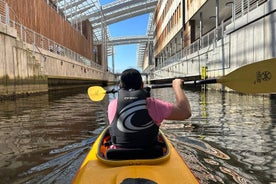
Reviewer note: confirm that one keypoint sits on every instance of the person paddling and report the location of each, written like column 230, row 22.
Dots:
column 135, row 117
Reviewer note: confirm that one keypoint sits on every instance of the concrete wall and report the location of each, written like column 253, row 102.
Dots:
column 26, row 69
column 20, row 72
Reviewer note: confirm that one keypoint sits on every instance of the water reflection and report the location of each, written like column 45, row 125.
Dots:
column 232, row 135
column 43, row 136
column 230, row 138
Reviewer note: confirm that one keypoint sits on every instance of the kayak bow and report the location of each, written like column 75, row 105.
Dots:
column 168, row 168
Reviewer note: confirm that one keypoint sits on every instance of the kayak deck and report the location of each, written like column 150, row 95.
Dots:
column 170, row 167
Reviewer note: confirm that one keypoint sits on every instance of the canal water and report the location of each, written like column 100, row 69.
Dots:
column 230, row 137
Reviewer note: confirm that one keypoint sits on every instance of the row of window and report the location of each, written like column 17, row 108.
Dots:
column 172, row 23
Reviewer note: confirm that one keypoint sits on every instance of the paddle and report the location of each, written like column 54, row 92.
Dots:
column 259, row 77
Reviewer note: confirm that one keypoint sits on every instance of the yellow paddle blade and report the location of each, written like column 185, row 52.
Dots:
column 96, row 93
column 259, row 77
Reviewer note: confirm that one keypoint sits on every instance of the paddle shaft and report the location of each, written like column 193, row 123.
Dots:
column 196, row 82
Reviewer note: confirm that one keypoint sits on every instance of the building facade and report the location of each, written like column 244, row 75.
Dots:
column 220, row 35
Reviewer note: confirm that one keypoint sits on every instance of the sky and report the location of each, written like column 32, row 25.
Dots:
column 125, row 55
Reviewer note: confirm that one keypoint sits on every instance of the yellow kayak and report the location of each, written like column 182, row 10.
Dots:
column 104, row 165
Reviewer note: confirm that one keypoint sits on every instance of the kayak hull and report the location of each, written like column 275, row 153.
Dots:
column 170, row 168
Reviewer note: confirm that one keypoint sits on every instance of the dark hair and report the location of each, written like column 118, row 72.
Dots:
column 131, row 79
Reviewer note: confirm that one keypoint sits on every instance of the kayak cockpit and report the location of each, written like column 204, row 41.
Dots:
column 168, row 168
column 129, row 156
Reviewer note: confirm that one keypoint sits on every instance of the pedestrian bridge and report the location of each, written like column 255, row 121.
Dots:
column 129, row 40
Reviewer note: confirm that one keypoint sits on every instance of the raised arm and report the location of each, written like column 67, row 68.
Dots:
column 181, row 109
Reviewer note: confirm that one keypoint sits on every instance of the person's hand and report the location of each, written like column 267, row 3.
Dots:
column 177, row 83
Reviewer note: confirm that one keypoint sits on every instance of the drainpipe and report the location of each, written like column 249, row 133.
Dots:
column 222, row 48
column 7, row 14
column 217, row 21
column 113, row 66
column 200, row 30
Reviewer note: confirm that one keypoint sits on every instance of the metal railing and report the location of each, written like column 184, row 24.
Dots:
column 243, row 7
column 208, row 40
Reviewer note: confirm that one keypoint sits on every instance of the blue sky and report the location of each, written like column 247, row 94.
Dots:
column 125, row 55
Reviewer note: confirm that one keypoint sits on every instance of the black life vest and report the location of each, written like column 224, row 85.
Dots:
column 132, row 126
